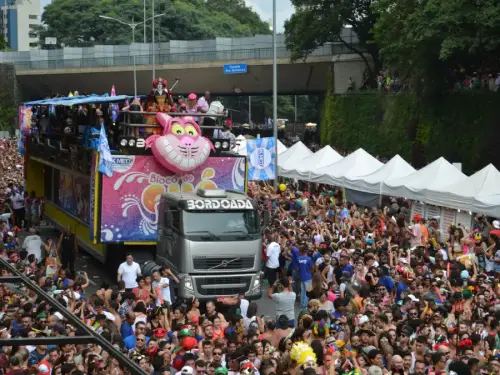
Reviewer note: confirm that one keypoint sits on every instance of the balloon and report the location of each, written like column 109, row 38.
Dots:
column 181, row 148
column 282, row 187
column 189, row 343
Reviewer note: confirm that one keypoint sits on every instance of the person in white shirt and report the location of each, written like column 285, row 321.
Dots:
column 162, row 287
column 273, row 261
column 202, row 106
column 17, row 200
column 128, row 272
column 33, row 244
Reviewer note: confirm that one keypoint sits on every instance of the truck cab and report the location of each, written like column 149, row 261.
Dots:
column 211, row 240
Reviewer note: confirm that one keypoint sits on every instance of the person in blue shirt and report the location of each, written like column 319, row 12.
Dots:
column 61, row 280
column 126, row 329
column 386, row 281
column 344, row 212
column 305, row 275
column 293, row 268
column 402, row 285
column 344, row 266
column 140, row 330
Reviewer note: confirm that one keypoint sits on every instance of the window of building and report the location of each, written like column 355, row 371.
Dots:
column 32, row 26
column 33, row 17
column 33, row 45
column 32, row 35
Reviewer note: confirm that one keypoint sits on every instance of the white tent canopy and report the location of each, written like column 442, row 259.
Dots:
column 241, row 146
column 397, row 167
column 303, row 168
column 294, row 154
column 488, row 205
column 425, row 181
column 359, row 163
column 460, row 195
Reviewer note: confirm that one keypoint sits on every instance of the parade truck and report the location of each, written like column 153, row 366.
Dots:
column 163, row 192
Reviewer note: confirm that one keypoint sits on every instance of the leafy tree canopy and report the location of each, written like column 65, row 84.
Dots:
column 316, row 22
column 77, row 23
column 4, row 45
column 421, row 40
column 431, row 38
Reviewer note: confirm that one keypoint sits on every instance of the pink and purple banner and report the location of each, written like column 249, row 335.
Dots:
column 130, row 199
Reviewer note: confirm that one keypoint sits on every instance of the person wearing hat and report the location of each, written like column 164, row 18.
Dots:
column 191, row 105
column 415, row 231
column 43, row 368
column 312, row 308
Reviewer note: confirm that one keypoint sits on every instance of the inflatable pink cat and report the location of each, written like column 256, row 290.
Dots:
column 181, row 147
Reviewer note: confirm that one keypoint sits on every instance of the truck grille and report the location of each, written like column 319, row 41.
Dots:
column 220, row 285
column 220, row 264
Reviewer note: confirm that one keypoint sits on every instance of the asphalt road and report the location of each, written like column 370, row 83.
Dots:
column 98, row 275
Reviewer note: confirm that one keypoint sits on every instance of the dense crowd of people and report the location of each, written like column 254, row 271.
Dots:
column 357, row 291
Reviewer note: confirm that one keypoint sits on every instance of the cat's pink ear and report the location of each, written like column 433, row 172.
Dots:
column 164, row 120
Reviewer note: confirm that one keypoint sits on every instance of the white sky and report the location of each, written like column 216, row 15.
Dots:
column 264, row 8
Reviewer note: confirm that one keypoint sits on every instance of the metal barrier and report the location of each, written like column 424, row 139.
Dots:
column 162, row 58
column 89, row 337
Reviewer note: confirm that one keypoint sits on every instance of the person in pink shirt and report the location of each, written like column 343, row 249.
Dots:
column 203, row 105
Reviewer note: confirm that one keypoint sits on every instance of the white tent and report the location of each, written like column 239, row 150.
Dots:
column 359, row 163
column 483, row 183
column 397, row 167
column 241, row 146
column 294, row 154
column 488, row 205
column 424, row 182
column 303, row 168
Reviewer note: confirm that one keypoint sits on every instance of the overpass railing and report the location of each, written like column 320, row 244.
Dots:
column 174, row 58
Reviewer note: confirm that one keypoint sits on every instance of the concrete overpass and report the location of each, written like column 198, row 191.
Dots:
column 198, row 64
column 293, row 78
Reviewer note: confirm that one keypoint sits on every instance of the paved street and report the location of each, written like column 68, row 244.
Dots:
column 97, row 275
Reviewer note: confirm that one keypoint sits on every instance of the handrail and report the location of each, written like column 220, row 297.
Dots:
column 77, row 323
column 174, row 114
column 163, row 58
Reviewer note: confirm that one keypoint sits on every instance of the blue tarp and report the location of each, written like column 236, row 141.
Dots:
column 81, row 100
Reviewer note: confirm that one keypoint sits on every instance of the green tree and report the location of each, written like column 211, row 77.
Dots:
column 426, row 40
column 78, row 23
column 316, row 22
column 8, row 113
column 4, row 45
column 243, row 14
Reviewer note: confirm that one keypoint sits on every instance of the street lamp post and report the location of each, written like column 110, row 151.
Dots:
column 144, row 22
column 275, row 96
column 132, row 25
column 153, row 38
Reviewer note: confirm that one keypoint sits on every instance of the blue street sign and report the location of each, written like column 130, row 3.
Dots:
column 235, row 68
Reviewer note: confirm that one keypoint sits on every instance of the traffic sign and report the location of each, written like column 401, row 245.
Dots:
column 235, row 68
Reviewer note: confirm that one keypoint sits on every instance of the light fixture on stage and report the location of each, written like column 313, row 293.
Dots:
column 221, row 145
column 133, row 143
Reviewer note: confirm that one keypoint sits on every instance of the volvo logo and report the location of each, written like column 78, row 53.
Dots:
column 224, row 263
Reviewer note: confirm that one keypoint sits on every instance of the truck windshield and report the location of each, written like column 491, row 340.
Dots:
column 221, row 223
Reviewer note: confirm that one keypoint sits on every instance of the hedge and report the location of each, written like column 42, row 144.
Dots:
column 461, row 127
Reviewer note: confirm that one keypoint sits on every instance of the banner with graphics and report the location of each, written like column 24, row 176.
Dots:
column 261, row 159
column 92, row 203
column 130, row 198
column 74, row 195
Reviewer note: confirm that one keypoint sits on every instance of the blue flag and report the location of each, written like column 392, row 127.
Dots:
column 105, row 160
column 261, row 159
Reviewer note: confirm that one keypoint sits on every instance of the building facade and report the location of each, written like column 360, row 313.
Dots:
column 16, row 22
